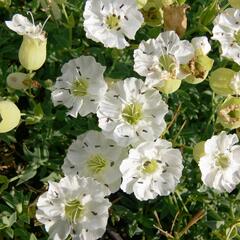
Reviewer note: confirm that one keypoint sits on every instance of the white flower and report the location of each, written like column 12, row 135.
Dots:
column 235, row 84
column 226, row 30
column 81, row 86
column 92, row 155
column 22, row 26
column 151, row 169
column 32, row 52
column 220, row 165
column 201, row 45
column 110, row 21
column 131, row 113
column 159, row 59
column 75, row 206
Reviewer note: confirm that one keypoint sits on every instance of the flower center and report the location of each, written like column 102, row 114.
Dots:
column 97, row 163
column 231, row 113
column 79, row 88
column 73, row 210
column 112, row 21
column 150, row 166
column 132, row 113
column 237, row 37
column 168, row 63
column 222, row 161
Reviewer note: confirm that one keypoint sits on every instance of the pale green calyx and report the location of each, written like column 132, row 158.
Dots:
column 170, row 86
column 150, row 166
column 198, row 68
column 220, row 81
column 73, row 210
column 113, row 21
column 97, row 163
column 141, row 3
column 79, row 88
column 168, row 63
column 222, row 161
column 198, row 150
column 229, row 113
column 132, row 113
column 235, row 3
column 171, row 83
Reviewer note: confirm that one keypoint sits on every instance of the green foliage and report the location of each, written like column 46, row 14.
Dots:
column 32, row 154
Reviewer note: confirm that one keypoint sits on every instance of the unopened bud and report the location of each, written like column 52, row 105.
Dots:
column 229, row 113
column 221, row 80
column 18, row 80
column 9, row 116
column 32, row 53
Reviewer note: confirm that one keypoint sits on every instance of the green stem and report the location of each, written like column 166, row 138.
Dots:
column 69, row 28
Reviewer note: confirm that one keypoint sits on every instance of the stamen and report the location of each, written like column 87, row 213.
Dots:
column 29, row 13
column 45, row 22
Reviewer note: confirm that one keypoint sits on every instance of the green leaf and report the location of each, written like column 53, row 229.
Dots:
column 133, row 229
column 9, row 231
column 3, row 183
column 37, row 117
column 26, row 175
column 32, row 237
column 12, row 219
column 209, row 13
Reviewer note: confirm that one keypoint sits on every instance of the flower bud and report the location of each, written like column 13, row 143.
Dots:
column 5, row 3
column 18, row 80
column 198, row 151
column 229, row 113
column 198, row 69
column 220, row 81
column 170, row 86
column 32, row 53
column 234, row 3
column 9, row 116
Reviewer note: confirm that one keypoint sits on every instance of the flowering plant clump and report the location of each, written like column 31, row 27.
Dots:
column 119, row 119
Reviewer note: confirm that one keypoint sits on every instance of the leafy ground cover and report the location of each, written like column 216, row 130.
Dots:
column 34, row 152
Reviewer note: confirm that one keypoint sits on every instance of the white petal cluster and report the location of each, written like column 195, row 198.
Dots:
column 92, row 155
column 227, row 31
column 81, row 86
column 159, row 59
column 22, row 26
column 131, row 113
column 112, row 21
column 151, row 169
column 201, row 45
column 220, row 165
column 75, row 206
